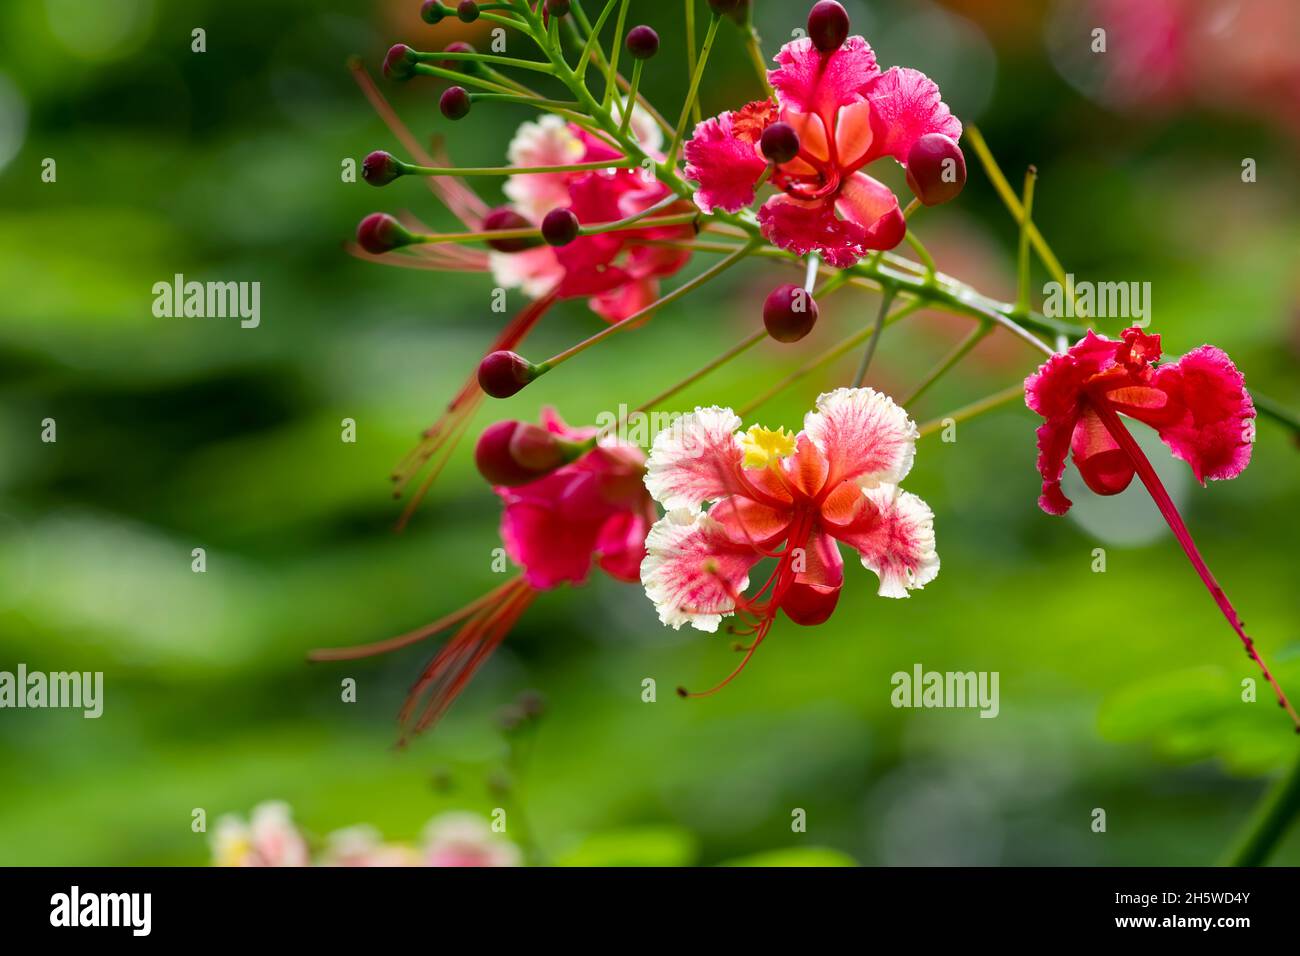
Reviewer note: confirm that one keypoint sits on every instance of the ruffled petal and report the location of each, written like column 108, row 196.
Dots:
column 811, row 82
column 802, row 228
column 863, row 435
column 907, row 105
column 693, row 570
column 695, row 459
column 873, row 206
column 547, row 141
column 895, row 537
column 725, row 165
column 1215, row 432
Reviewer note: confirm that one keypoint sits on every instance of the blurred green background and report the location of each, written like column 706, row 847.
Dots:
column 1119, row 690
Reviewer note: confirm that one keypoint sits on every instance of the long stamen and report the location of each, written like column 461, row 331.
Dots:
column 1110, row 418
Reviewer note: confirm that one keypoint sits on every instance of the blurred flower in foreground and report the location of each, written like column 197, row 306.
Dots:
column 362, row 845
column 268, row 839
column 465, row 839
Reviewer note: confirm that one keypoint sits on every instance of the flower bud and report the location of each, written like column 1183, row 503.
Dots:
column 379, row 233
column 467, row 11
column 936, row 169
column 380, row 168
column 400, row 62
column 432, row 11
column 502, row 374
column 828, row 25
column 642, row 42
column 454, row 103
column 515, row 453
column 504, row 217
column 780, row 143
column 560, row 227
column 789, row 313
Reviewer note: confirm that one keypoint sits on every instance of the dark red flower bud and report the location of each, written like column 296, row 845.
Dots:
column 467, row 11
column 515, row 453
column 936, row 169
column 400, row 62
column 642, row 42
column 557, row 8
column 780, row 143
column 433, row 11
column 380, row 168
column 789, row 313
column 454, row 103
column 724, row 7
column 502, row 374
column 379, row 233
column 560, row 227
column 828, row 25
column 506, row 218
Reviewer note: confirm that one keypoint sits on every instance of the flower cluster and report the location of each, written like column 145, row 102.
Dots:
column 270, row 838
column 603, row 199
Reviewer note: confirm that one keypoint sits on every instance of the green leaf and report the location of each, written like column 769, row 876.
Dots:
column 634, row 846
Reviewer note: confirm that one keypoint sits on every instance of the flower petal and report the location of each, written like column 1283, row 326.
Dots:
column 1105, row 467
column 812, row 597
column 1215, row 432
column 863, row 435
column 692, row 570
column 802, row 228
column 907, row 105
column 895, row 538
column 873, row 206
column 724, row 164
column 811, row 82
column 695, row 459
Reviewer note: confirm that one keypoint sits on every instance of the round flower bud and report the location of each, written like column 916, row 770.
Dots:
column 780, row 143
column 380, row 168
column 828, row 25
column 467, row 11
column 433, row 11
column 454, row 103
column 505, row 218
column 515, row 453
column 936, row 169
column 560, row 227
column 379, row 233
column 502, row 374
column 557, row 8
column 789, row 313
column 642, row 42
column 399, row 63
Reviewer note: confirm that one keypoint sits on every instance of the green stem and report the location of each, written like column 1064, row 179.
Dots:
column 690, row 51
column 536, row 66
column 886, row 301
column 630, row 105
column 1022, row 268
column 593, row 32
column 613, row 55
column 949, row 361
column 694, row 90
column 409, row 169
column 986, row 404
column 1269, row 823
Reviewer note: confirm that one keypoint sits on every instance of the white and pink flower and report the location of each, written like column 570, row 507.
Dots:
column 268, row 838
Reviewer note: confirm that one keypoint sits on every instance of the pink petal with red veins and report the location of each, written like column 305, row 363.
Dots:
column 695, row 459
column 1105, row 468
column 725, row 165
column 621, row 545
column 874, row 206
column 812, row 83
column 807, row 468
column 855, row 134
column 692, row 570
column 1215, row 431
column 907, row 106
column 863, row 435
column 802, row 228
column 812, row 597
column 895, row 538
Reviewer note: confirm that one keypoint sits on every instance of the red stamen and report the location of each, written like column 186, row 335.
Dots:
column 1110, row 418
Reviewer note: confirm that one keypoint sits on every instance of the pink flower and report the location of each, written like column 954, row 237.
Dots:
column 1199, row 405
column 363, row 846
column 790, row 497
column 465, row 839
column 594, row 511
column 616, row 272
column 268, row 839
column 847, row 114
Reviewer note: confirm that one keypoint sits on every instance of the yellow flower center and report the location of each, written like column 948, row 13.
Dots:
column 764, row 447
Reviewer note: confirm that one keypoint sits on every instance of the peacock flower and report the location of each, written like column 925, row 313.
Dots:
column 268, row 838
column 844, row 114
column 466, row 839
column 363, row 846
column 1198, row 404
column 771, row 494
